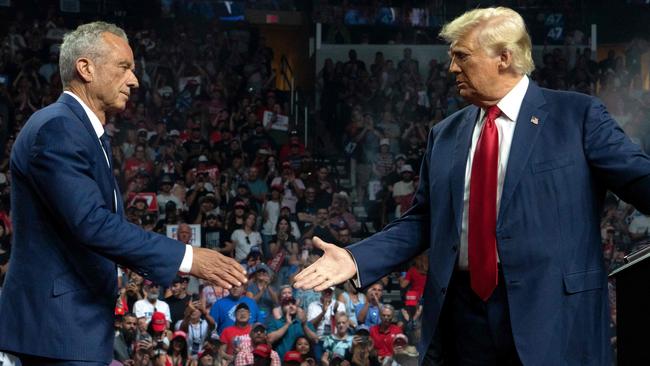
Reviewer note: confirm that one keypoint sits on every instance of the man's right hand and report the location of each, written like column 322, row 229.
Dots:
column 334, row 267
column 215, row 267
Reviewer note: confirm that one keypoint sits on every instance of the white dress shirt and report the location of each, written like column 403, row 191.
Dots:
column 509, row 105
column 186, row 264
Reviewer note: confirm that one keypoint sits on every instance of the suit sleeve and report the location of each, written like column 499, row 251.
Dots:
column 61, row 166
column 402, row 239
column 619, row 162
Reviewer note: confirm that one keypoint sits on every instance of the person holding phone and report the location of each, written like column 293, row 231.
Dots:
column 196, row 326
column 143, row 348
column 362, row 351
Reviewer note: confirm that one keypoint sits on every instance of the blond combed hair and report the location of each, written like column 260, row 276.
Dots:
column 500, row 29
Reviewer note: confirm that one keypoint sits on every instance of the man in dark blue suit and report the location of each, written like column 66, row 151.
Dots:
column 508, row 205
column 59, row 295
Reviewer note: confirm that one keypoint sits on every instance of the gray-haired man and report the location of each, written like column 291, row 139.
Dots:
column 59, row 296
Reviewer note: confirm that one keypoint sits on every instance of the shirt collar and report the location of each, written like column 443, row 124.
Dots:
column 510, row 105
column 94, row 120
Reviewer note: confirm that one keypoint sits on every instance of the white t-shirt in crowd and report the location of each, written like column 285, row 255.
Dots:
column 143, row 308
column 244, row 242
column 315, row 308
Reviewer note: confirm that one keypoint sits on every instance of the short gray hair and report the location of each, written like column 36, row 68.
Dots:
column 85, row 41
column 387, row 306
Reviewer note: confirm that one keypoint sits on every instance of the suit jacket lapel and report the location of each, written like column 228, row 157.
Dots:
column 529, row 123
column 79, row 111
column 461, row 152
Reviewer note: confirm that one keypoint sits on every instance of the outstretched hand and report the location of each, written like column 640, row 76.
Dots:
column 334, row 267
column 215, row 267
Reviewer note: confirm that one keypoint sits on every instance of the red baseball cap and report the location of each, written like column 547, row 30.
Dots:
column 293, row 356
column 179, row 333
column 263, row 350
column 158, row 322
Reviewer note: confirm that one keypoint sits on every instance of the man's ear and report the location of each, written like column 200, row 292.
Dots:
column 85, row 69
column 505, row 59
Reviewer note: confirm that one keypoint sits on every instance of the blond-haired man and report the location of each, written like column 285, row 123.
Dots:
column 508, row 204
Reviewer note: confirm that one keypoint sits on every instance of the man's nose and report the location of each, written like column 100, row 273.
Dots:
column 453, row 66
column 133, row 81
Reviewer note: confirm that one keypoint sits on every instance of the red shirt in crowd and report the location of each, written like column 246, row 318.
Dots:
column 230, row 333
column 133, row 165
column 383, row 341
column 416, row 280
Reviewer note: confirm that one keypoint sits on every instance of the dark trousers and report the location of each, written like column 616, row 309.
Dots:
column 28, row 360
column 471, row 331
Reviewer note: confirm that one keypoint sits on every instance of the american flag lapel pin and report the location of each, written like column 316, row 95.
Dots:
column 534, row 120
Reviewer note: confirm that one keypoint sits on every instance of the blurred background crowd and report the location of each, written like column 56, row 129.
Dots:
column 233, row 144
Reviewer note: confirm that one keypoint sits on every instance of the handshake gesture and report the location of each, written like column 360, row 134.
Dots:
column 334, row 267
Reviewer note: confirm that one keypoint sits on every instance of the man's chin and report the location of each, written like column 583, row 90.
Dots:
column 119, row 105
column 467, row 95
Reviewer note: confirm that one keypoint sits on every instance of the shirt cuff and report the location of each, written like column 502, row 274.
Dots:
column 356, row 280
column 186, row 264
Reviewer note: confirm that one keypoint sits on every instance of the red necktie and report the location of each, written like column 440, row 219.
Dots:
column 482, row 243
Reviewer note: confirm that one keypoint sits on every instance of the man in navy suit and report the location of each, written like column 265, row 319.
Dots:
column 509, row 200
column 70, row 231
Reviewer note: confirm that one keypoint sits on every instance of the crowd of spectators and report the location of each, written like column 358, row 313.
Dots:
column 377, row 12
column 198, row 157
column 418, row 22
column 418, row 13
